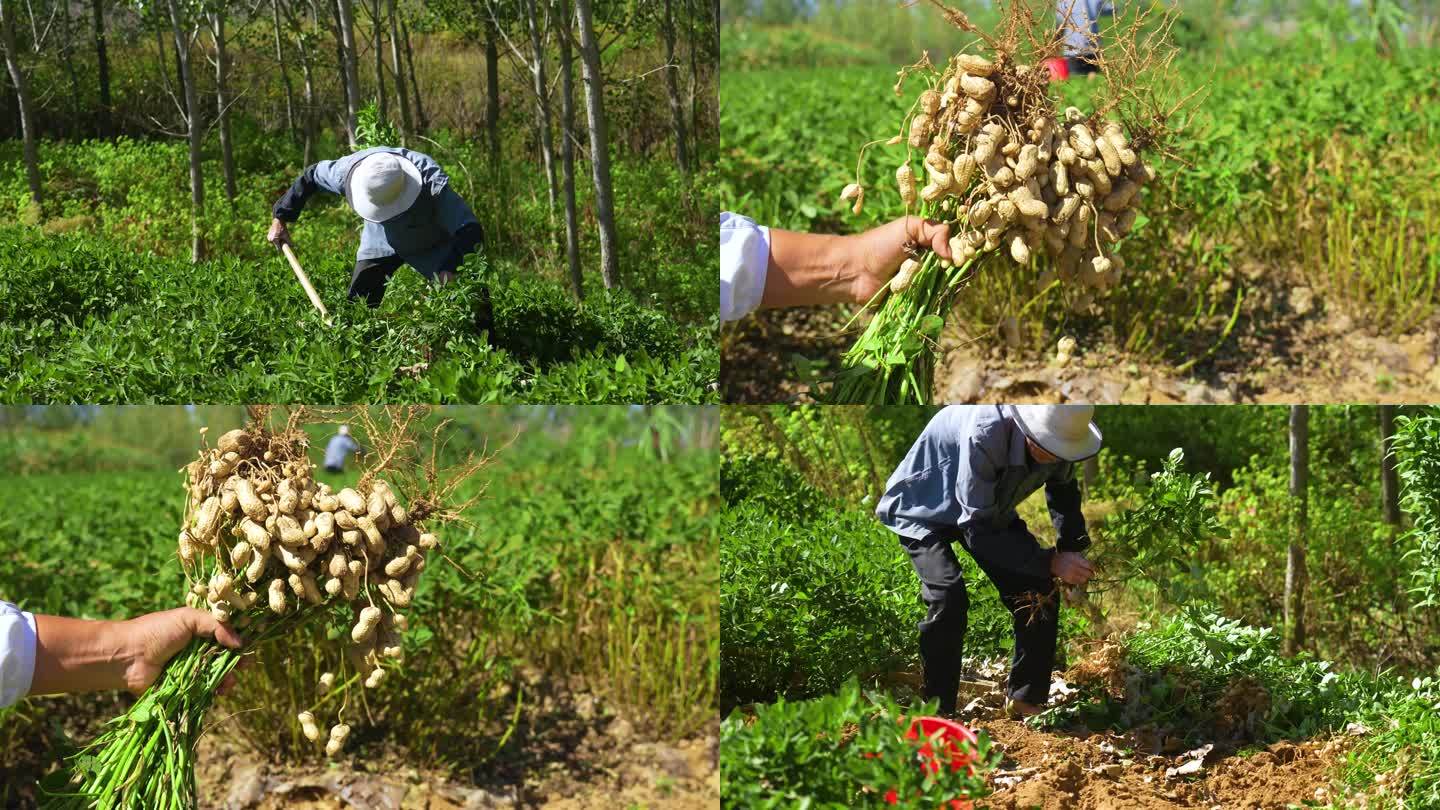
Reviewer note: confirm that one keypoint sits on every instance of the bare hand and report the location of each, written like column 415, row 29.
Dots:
column 1071, row 567
column 878, row 253
column 153, row 639
column 279, row 233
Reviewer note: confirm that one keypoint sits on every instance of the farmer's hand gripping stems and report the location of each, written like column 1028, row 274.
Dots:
column 259, row 536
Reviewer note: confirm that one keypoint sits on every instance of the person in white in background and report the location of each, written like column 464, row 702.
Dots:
column 765, row 268
column 338, row 448
column 42, row 655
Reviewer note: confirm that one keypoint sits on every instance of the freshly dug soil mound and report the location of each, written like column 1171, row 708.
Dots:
column 1115, row 772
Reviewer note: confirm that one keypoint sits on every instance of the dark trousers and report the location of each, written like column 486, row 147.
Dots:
column 1035, row 617
column 371, row 276
column 1082, row 65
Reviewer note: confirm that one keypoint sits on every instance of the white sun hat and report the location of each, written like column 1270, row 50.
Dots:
column 1064, row 431
column 382, row 186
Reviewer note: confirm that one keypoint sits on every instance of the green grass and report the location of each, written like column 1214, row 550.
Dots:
column 104, row 306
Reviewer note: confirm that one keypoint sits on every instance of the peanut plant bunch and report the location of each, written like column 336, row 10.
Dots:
column 260, row 537
column 1017, row 182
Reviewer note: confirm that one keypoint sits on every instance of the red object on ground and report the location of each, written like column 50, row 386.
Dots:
column 1058, row 67
column 950, row 737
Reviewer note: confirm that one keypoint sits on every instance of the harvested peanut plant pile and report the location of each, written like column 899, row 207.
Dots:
column 271, row 551
column 1017, row 181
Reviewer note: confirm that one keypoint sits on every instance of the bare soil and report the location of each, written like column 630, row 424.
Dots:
column 1111, row 771
column 579, row 758
column 570, row 753
column 1286, row 347
column 1151, row 767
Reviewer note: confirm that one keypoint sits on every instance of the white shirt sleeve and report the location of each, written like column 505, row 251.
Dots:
column 744, row 258
column 17, row 653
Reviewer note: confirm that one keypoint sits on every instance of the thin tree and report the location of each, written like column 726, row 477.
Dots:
column 67, row 59
column 567, row 147
column 492, row 87
column 542, row 103
column 217, row 15
column 1389, row 479
column 1295, row 577
column 307, row 73
column 421, row 122
column 179, row 29
column 376, row 46
column 692, row 85
column 349, row 68
column 400, row 89
column 599, row 144
column 284, row 73
column 672, row 90
column 8, row 10
column 102, row 60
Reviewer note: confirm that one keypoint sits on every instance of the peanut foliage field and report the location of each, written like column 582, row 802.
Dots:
column 102, row 304
column 1180, row 637
column 1303, row 161
column 585, row 573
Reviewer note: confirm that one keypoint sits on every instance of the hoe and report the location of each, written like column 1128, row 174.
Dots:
column 305, row 282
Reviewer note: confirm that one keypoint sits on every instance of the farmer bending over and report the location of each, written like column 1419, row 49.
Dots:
column 411, row 214
column 961, row 482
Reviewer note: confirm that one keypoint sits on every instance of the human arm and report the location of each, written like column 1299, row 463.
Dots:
column 769, row 268
column 327, row 176
column 807, row 269
column 981, row 457
column 80, row 655
column 1062, row 496
column 457, row 218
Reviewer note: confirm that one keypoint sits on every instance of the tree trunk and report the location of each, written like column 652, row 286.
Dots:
column 694, row 84
column 1389, row 480
column 348, row 65
column 309, row 78
column 284, row 74
column 180, row 81
column 400, row 89
column 22, row 97
column 1295, row 561
column 421, row 122
column 102, row 61
column 377, row 45
column 67, row 57
column 567, row 149
column 672, row 89
column 492, row 90
column 222, row 100
column 599, row 145
column 194, row 124
column 542, row 104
